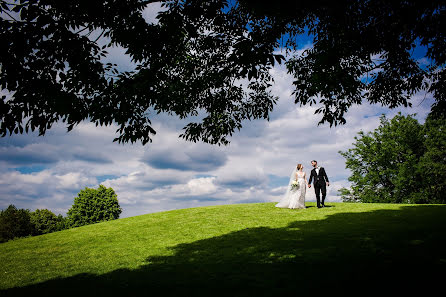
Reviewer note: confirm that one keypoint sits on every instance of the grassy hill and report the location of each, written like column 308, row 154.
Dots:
column 237, row 250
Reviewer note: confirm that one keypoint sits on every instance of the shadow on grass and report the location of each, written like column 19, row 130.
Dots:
column 384, row 251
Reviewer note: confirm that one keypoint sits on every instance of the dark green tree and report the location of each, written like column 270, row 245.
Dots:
column 398, row 162
column 196, row 57
column 62, row 223
column 93, row 206
column 432, row 164
column 45, row 221
column 15, row 223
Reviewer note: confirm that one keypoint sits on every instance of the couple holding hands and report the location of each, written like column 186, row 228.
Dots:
column 297, row 187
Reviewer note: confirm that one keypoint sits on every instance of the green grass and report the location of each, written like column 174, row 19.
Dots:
column 237, row 250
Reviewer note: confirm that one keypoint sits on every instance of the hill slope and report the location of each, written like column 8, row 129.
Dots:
column 236, row 250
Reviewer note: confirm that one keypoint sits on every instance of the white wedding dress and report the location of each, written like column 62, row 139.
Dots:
column 294, row 198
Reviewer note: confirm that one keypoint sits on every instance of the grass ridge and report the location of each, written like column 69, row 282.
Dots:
column 198, row 246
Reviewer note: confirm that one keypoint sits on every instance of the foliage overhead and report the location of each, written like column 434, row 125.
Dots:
column 94, row 206
column 402, row 161
column 212, row 59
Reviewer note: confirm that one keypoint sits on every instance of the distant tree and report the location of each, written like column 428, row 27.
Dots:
column 45, row 221
column 401, row 161
column 62, row 223
column 15, row 223
column 347, row 195
column 195, row 59
column 93, row 206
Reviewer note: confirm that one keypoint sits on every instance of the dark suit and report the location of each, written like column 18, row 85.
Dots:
column 319, row 184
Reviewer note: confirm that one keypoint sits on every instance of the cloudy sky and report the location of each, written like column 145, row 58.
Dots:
column 170, row 173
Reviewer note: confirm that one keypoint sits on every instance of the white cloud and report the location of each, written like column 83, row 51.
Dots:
column 72, row 181
column 42, row 189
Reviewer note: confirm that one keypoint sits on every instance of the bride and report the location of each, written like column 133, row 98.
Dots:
column 295, row 197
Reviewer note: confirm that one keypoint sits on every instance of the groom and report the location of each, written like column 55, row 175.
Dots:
column 320, row 180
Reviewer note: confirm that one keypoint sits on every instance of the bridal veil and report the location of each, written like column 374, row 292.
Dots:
column 287, row 198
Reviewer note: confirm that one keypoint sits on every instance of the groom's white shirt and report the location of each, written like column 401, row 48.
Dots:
column 317, row 170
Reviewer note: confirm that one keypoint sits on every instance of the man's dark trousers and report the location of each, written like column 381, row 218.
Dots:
column 318, row 188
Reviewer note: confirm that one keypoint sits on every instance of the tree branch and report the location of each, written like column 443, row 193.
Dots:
column 13, row 18
column 85, row 28
column 103, row 31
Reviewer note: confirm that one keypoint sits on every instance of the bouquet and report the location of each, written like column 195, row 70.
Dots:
column 295, row 185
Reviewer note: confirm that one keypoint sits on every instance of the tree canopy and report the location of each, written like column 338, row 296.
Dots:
column 19, row 222
column 212, row 59
column 402, row 161
column 15, row 222
column 94, row 206
column 45, row 221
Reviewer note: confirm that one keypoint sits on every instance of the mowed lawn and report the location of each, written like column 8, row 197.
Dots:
column 238, row 250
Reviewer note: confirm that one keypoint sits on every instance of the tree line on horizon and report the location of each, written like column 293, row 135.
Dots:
column 89, row 207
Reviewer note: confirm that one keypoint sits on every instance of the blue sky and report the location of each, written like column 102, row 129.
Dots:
column 48, row 171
